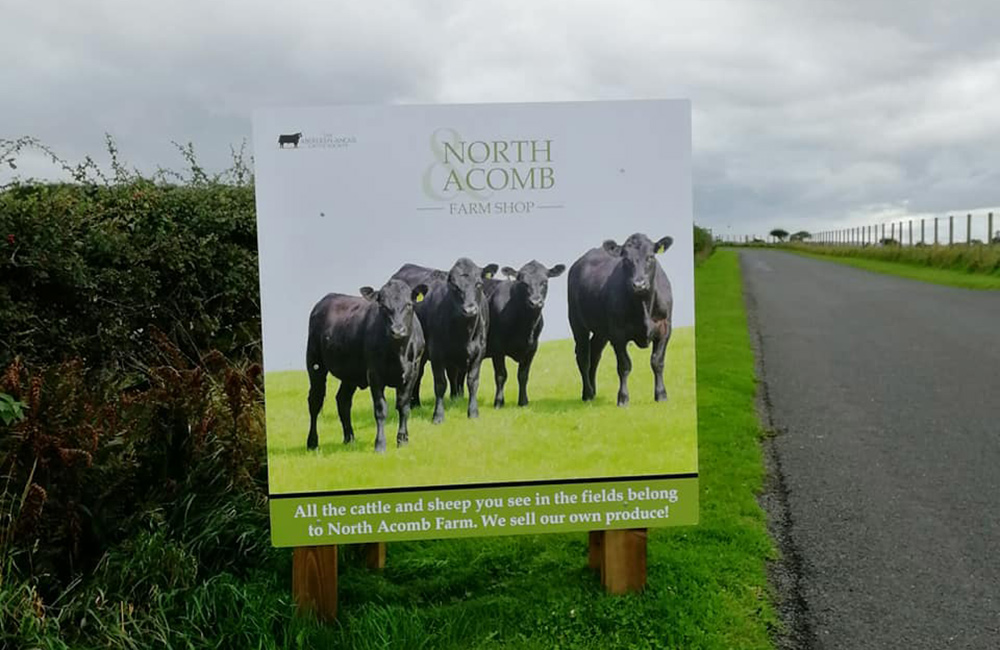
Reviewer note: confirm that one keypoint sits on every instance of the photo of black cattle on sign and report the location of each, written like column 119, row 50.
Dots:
column 455, row 318
column 291, row 138
column 516, row 322
column 619, row 294
column 373, row 340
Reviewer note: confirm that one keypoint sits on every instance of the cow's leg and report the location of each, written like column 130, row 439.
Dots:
column 378, row 402
column 345, row 396
column 500, row 374
column 317, row 393
column 403, row 408
column 472, row 379
column 523, row 369
column 596, row 349
column 440, row 384
column 624, row 368
column 415, row 391
column 455, row 382
column 582, row 339
column 660, row 340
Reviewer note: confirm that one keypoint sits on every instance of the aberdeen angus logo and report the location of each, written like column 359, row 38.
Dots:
column 321, row 141
column 292, row 139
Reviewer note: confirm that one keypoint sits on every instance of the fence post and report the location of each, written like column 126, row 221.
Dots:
column 936, row 231
column 892, row 230
column 989, row 227
column 922, row 230
column 951, row 229
column 968, row 229
column 911, row 232
column 883, row 231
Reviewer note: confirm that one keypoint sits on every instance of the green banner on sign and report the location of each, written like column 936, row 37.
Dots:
column 483, row 511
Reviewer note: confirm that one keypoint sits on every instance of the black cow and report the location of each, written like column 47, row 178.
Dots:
column 516, row 322
column 369, row 341
column 619, row 294
column 455, row 317
column 292, row 139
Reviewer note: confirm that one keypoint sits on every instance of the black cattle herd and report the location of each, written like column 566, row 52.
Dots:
column 617, row 293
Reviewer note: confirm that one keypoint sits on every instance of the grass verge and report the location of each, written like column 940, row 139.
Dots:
column 973, row 267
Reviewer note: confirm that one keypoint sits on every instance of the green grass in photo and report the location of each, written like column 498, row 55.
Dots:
column 556, row 436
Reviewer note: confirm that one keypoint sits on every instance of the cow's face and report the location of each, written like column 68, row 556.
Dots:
column 395, row 303
column 533, row 282
column 465, row 282
column 638, row 255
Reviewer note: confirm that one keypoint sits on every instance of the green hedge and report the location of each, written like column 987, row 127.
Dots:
column 85, row 270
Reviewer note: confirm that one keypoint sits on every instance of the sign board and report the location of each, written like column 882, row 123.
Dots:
column 428, row 254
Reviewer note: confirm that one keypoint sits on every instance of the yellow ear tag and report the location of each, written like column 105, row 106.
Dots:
column 489, row 275
column 660, row 249
column 420, row 297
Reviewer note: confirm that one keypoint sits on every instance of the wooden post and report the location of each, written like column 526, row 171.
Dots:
column 989, row 227
column 892, row 230
column 314, row 580
column 883, row 230
column 911, row 232
column 968, row 229
column 623, row 560
column 595, row 549
column 922, row 230
column 935, row 231
column 375, row 555
column 951, row 229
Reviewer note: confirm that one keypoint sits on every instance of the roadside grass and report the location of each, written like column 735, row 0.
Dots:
column 556, row 436
column 971, row 267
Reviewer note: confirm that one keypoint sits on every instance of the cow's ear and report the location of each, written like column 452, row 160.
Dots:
column 419, row 292
column 664, row 244
column 509, row 272
column 612, row 247
column 369, row 294
column 489, row 271
column 557, row 270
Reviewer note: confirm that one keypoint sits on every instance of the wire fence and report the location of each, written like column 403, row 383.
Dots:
column 927, row 231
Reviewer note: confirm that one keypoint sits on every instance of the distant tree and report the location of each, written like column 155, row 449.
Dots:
column 779, row 234
column 801, row 235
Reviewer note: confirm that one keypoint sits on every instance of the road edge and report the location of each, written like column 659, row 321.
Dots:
column 785, row 573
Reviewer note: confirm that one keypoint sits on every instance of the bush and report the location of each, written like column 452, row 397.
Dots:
column 86, row 270
column 703, row 244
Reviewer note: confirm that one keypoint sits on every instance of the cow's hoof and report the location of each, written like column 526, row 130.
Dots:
column 473, row 412
column 498, row 403
column 438, row 418
column 661, row 396
column 522, row 402
column 312, row 442
column 622, row 400
column 402, row 442
column 380, row 447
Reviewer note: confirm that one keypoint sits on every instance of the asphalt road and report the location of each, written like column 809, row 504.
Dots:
column 885, row 397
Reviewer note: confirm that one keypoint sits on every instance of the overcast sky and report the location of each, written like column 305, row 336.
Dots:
column 807, row 114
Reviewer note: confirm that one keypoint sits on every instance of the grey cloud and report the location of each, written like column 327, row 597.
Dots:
column 806, row 114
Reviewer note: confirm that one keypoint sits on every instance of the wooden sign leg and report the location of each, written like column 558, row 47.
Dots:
column 314, row 580
column 375, row 555
column 623, row 560
column 595, row 551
